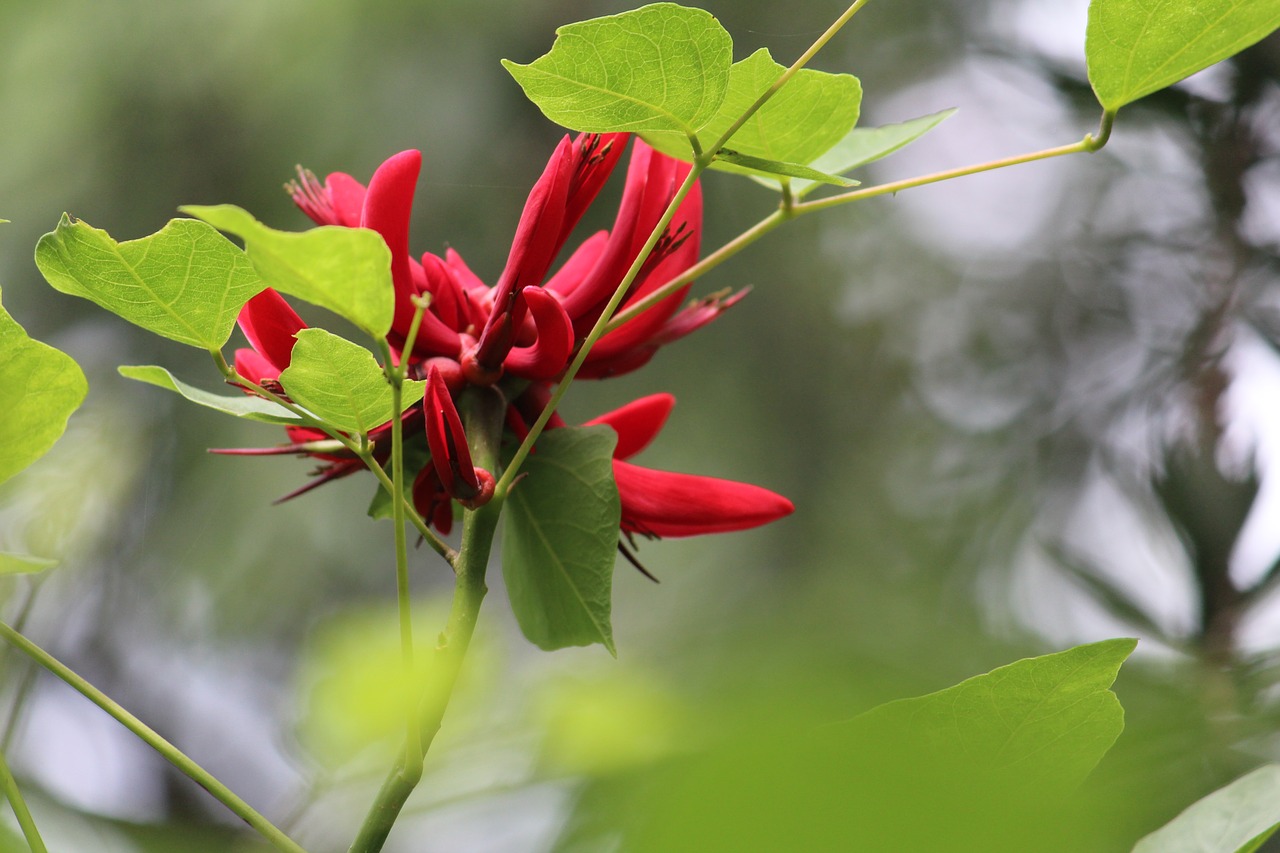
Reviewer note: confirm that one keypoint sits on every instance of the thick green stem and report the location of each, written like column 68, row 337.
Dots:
column 413, row 745
column 482, row 412
column 20, row 810
column 149, row 736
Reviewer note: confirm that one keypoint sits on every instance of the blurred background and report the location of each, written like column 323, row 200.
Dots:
column 1015, row 412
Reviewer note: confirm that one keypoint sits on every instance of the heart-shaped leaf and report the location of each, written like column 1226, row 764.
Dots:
column 560, row 538
column 341, row 383
column 186, row 282
column 660, row 67
column 1136, row 47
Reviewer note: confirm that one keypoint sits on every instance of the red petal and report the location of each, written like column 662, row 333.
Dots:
column 549, row 354
column 270, row 325
column 637, row 423
column 450, row 455
column 254, row 366
column 387, row 208
column 662, row 503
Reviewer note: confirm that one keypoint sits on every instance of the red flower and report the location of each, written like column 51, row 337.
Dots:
column 528, row 326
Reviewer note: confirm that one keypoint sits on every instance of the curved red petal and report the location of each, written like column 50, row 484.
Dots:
column 254, row 366
column 662, row 503
column 450, row 456
column 388, row 205
column 346, row 195
column 637, row 423
column 549, row 354
column 270, row 325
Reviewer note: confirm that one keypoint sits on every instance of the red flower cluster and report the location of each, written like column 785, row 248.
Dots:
column 525, row 330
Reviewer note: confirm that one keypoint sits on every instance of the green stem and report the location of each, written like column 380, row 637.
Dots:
column 1085, row 145
column 20, row 810
column 150, row 737
column 482, row 411
column 508, row 476
column 789, row 73
column 413, row 744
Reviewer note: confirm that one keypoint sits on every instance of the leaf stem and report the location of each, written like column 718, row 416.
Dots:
column 482, row 412
column 20, row 810
column 789, row 73
column 149, row 736
column 513, row 468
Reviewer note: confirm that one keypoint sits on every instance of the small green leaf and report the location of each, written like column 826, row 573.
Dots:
column 341, row 383
column 22, row 564
column 1235, row 819
column 755, row 165
column 239, row 405
column 660, row 67
column 39, row 389
column 561, row 537
column 186, row 282
column 807, row 116
column 1136, row 47
column 864, row 145
column 346, row 270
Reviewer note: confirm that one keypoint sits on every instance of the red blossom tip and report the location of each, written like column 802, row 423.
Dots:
column 667, row 504
column 450, row 456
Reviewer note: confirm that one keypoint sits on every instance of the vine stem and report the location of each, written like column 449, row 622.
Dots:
column 787, row 211
column 482, row 412
column 20, row 810
column 149, row 736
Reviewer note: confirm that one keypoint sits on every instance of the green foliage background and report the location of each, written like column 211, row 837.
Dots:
column 939, row 400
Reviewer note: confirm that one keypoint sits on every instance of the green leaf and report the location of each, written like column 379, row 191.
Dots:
column 1136, row 47
column 39, row 389
column 341, row 383
column 346, row 270
column 807, row 116
column 1234, row 819
column 660, row 67
column 988, row 765
column 186, row 282
column 22, row 564
column 561, row 537
column 755, row 165
column 240, row 405
column 864, row 145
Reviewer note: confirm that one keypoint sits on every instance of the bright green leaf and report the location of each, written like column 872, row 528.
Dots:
column 240, row 405
column 755, row 165
column 346, row 270
column 39, row 389
column 1238, row 817
column 864, row 145
column 561, row 537
column 22, row 564
column 811, row 113
column 1046, row 721
column 186, row 282
column 341, row 383
column 1136, row 47
column 660, row 67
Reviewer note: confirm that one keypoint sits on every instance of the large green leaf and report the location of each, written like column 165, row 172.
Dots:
column 346, row 270
column 341, row 383
column 807, row 116
column 1136, row 47
column 39, row 389
column 560, row 539
column 240, row 405
column 987, row 765
column 186, row 282
column 864, row 145
column 1234, row 819
column 660, row 67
